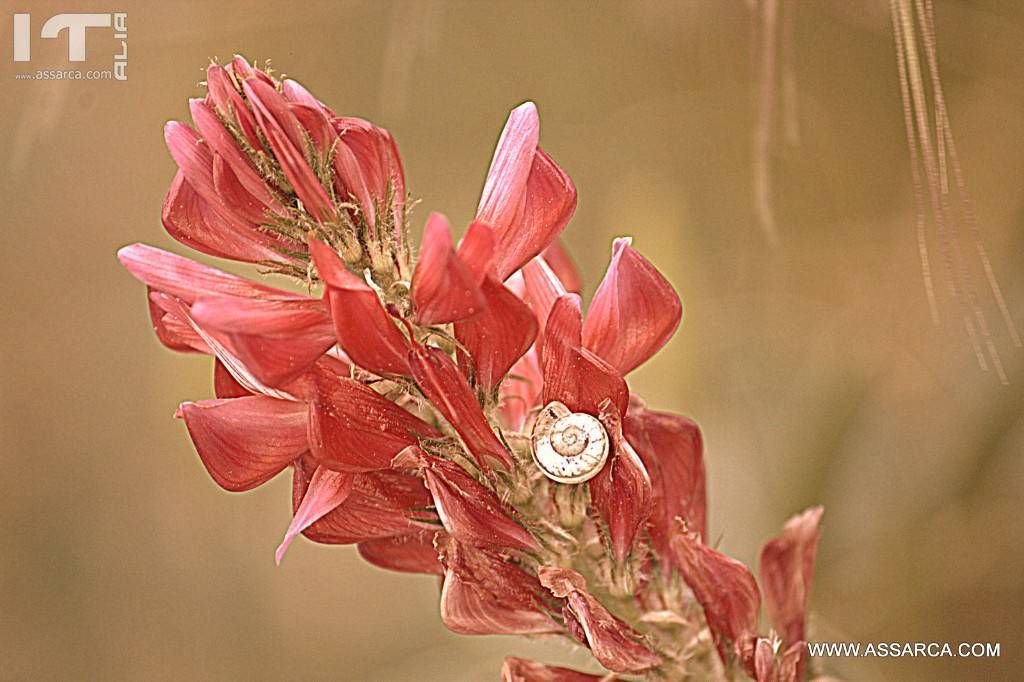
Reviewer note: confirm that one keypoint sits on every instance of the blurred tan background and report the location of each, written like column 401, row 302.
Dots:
column 810, row 361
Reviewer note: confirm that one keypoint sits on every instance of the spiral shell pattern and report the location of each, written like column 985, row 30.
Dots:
column 569, row 447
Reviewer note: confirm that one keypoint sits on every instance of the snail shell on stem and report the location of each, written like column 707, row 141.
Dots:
column 569, row 447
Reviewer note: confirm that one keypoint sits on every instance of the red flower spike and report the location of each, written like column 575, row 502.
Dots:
column 562, row 264
column 485, row 594
column 672, row 450
column 621, row 491
column 445, row 386
column 573, row 375
column 405, row 553
column 365, row 331
column 354, row 428
column 521, row 670
column 443, row 289
column 381, row 504
column 497, row 337
column 470, row 512
column 526, row 198
column 787, row 574
column 244, row 442
column 614, row 644
column 327, row 489
column 634, row 312
column 724, row 587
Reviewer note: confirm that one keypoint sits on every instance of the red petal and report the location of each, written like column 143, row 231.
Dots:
column 379, row 168
column 365, row 331
column 787, row 574
column 223, row 144
column 621, row 491
column 244, row 442
column 285, row 135
column 354, row 428
column 445, row 386
column 573, row 375
column 225, row 385
column 505, row 188
column 485, row 594
column 497, row 337
column 471, row 512
column 542, row 288
column 724, row 587
column 276, row 340
column 521, row 670
column 520, row 393
column 634, row 312
column 405, row 553
column 527, row 198
column 327, row 489
column 381, row 504
column 443, row 289
column 672, row 450
column 188, row 280
column 614, row 644
column 476, row 250
column 557, row 257
column 191, row 220
column 230, row 103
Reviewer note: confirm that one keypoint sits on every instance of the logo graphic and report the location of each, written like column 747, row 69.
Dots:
column 77, row 26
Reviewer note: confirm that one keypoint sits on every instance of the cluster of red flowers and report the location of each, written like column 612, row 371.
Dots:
column 402, row 398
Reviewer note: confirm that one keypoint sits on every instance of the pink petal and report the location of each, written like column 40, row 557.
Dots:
column 378, row 168
column 485, row 594
column 172, row 330
column 354, row 428
column 787, row 574
column 225, row 385
column 229, row 102
column 476, row 250
column 521, row 670
column 188, row 280
column 724, row 588
column 543, row 288
column 445, row 386
column 634, row 312
column 381, row 504
column 365, row 331
column 573, row 375
column 443, row 289
column 505, row 188
column 550, row 203
column 497, row 337
column 277, row 340
column 557, row 257
column 224, row 145
column 672, row 450
column 327, row 489
column 621, row 491
column 405, row 553
column 471, row 512
column 284, row 132
column 527, row 198
column 190, row 219
column 244, row 442
column 614, row 644
column 520, row 392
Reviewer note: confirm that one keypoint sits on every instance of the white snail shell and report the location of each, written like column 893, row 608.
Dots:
column 569, row 447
